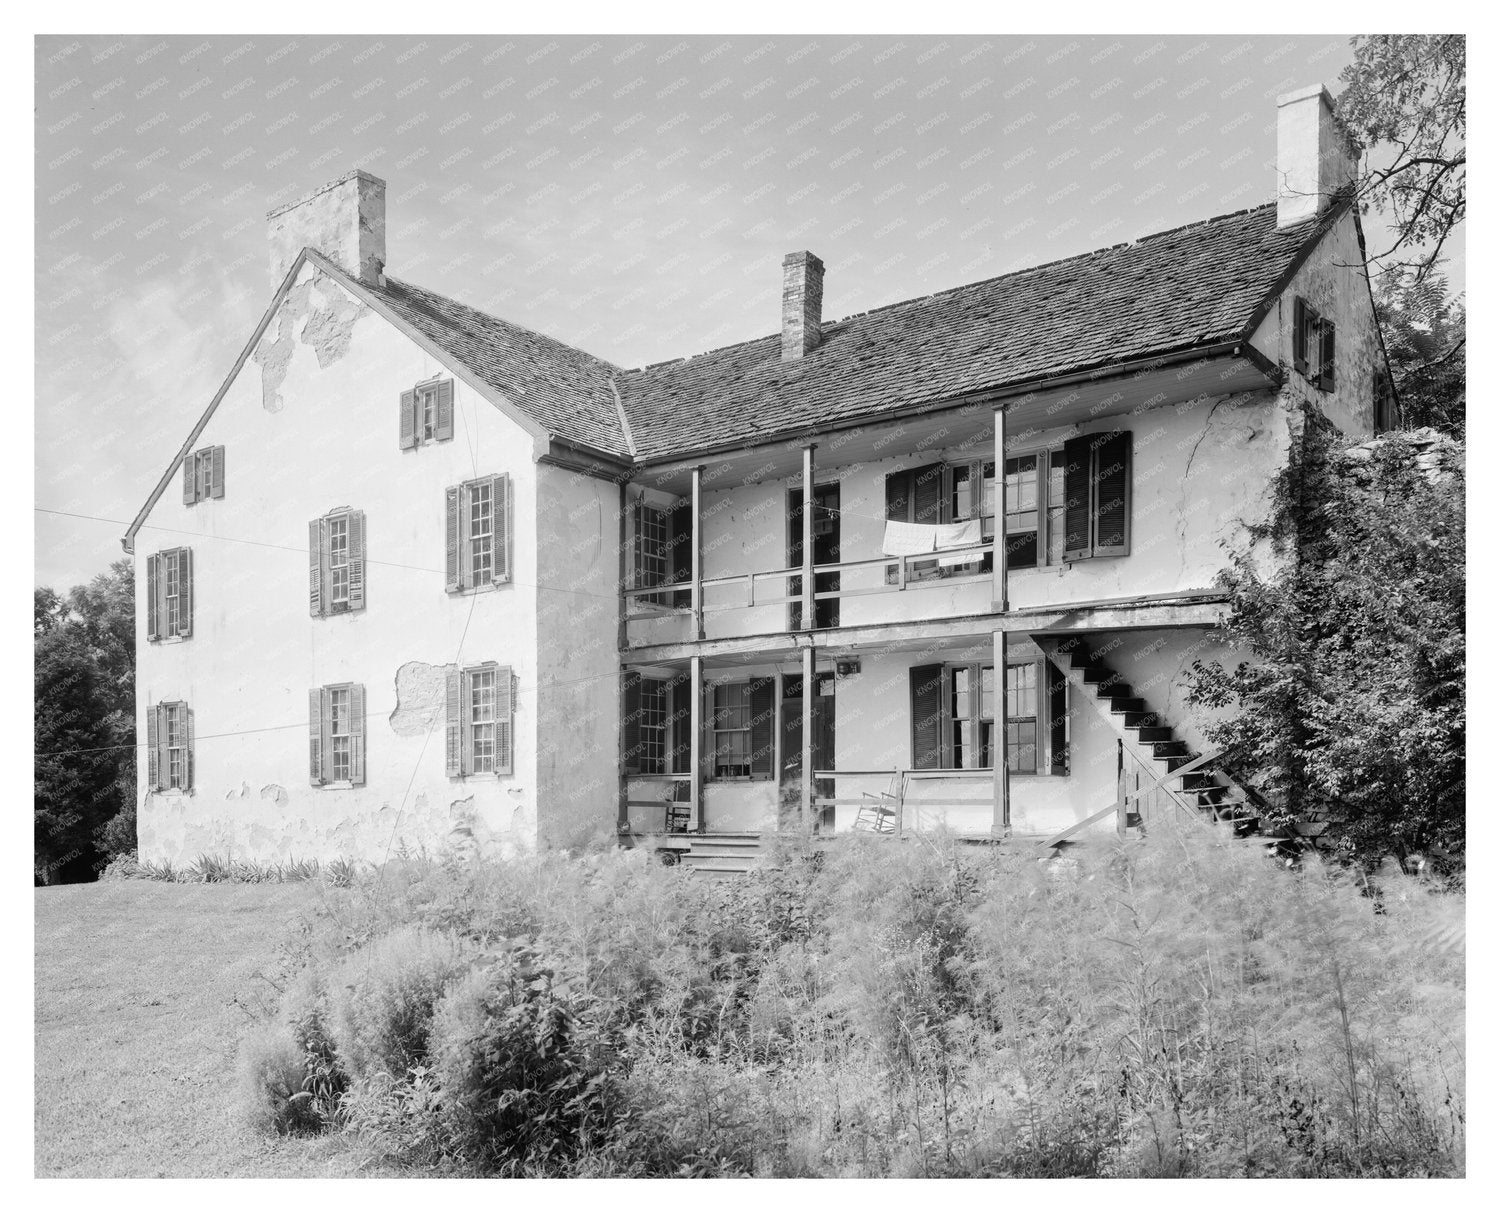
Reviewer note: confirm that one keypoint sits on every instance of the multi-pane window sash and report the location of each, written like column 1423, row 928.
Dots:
column 478, row 534
column 169, row 747
column 203, row 475
column 1312, row 345
column 336, row 563
column 169, row 594
column 731, row 729
column 953, row 718
column 480, row 720
column 427, row 414
column 336, row 734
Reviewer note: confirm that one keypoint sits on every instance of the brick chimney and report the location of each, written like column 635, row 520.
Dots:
column 344, row 220
column 1314, row 156
column 801, row 304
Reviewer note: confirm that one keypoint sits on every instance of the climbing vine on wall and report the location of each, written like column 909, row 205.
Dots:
column 1350, row 596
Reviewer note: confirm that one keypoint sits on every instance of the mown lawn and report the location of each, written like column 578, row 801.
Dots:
column 137, row 1027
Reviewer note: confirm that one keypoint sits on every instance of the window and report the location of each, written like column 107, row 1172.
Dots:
column 169, row 747
column 743, row 725
column 427, row 414
column 1025, row 476
column 1312, row 345
column 953, row 717
column 480, row 721
column 1096, row 495
column 478, row 547
column 657, row 724
column 336, row 563
column 169, row 594
column 336, row 734
column 203, row 475
column 661, row 551
column 935, row 494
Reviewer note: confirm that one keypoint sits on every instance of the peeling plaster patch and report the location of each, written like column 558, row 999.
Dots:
column 274, row 791
column 329, row 328
column 329, row 317
column 421, row 691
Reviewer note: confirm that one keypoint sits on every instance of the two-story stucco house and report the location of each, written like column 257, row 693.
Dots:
column 431, row 576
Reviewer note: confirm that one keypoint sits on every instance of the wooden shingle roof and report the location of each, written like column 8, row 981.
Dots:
column 1165, row 293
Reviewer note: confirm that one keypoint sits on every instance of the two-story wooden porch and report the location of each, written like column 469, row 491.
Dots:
column 1090, row 510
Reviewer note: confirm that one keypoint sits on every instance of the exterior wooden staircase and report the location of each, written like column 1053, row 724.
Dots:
column 1202, row 787
column 713, row 855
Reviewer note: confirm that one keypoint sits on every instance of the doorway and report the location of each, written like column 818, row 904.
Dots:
column 825, row 551
column 789, row 815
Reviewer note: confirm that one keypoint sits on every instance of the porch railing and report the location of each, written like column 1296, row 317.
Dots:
column 755, row 591
column 891, row 804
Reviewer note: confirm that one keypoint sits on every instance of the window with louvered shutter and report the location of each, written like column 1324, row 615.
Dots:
column 478, row 534
column 1112, row 496
column 929, row 717
column 1325, row 356
column 1300, row 351
column 357, row 734
column 408, row 423
column 427, row 414
column 188, row 756
column 315, row 699
column 203, row 475
column 153, row 597
column 189, row 479
column 916, row 495
column 1077, row 498
column 315, row 567
column 153, row 744
column 454, row 722
column 1096, row 495
column 356, row 560
column 762, row 728
column 631, row 757
column 169, row 594
column 217, row 466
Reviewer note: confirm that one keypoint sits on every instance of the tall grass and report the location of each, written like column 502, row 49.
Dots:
column 1171, row 1006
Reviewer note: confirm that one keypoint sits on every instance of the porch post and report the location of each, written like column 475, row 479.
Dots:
column 808, row 690
column 1001, row 822
column 1001, row 589
column 698, row 553
column 809, row 602
column 695, row 744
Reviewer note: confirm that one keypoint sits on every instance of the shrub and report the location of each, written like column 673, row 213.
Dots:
column 381, row 999
column 274, row 1094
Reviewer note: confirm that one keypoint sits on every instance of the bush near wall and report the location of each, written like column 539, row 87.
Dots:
column 1175, row 1006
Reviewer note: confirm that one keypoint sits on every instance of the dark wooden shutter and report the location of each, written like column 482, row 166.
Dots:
column 1112, row 495
column 325, row 731
column 680, row 550
column 1077, row 483
column 1299, row 335
column 630, row 738
column 1325, row 355
column 1057, row 717
column 928, row 500
column 189, row 479
column 315, row 567
column 929, row 717
column 153, row 742
column 218, row 465
column 357, row 734
column 188, row 746
column 763, row 727
column 408, row 420
column 184, row 591
column 453, row 721
column 356, row 560
column 679, row 737
column 454, row 532
column 442, row 422
column 898, row 497
column 315, row 734
column 500, row 495
column 153, row 596
column 505, row 715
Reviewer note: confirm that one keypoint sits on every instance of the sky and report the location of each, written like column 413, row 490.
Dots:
column 633, row 196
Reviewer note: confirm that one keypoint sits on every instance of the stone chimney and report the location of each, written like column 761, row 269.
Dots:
column 1314, row 157
column 344, row 220
column 801, row 304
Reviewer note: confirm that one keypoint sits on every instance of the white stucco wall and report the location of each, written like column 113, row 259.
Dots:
column 1332, row 281
column 309, row 426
